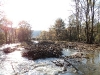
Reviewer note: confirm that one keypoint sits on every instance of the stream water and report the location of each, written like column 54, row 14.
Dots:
column 14, row 64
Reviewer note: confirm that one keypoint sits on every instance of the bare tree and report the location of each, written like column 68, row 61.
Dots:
column 85, row 12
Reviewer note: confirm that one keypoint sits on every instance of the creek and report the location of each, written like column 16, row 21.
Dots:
column 14, row 64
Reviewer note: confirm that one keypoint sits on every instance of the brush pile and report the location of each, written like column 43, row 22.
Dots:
column 43, row 49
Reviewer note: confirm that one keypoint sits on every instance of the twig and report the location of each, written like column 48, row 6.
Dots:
column 70, row 64
column 57, row 63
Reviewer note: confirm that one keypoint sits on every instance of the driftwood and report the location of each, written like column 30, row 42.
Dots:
column 71, row 64
column 58, row 63
column 77, row 70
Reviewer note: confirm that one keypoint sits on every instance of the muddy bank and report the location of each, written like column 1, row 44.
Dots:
column 83, row 46
column 79, row 46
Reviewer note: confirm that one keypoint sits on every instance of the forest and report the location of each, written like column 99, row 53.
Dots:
column 83, row 26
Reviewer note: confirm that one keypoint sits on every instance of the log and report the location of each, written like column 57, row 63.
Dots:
column 77, row 70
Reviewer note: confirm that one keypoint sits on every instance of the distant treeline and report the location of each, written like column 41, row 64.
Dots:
column 8, row 34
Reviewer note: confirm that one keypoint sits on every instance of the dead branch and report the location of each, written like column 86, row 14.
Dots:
column 78, row 71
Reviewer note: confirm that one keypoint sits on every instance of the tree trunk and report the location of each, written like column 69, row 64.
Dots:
column 87, row 23
column 6, row 37
column 92, row 10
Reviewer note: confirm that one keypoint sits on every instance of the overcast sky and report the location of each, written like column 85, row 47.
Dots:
column 41, row 14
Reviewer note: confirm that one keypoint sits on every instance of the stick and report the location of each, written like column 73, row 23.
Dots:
column 73, row 66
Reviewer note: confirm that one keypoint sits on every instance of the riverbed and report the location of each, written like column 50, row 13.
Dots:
column 14, row 64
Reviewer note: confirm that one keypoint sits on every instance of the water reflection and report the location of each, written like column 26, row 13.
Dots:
column 91, row 65
column 94, row 57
